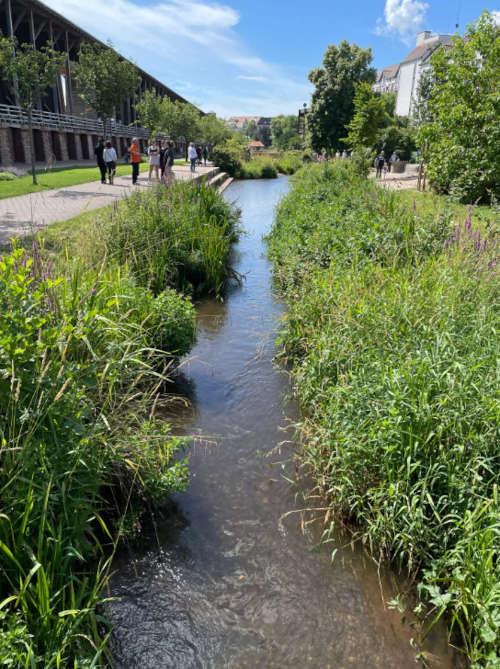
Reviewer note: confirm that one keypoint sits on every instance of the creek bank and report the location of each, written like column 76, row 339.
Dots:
column 392, row 331
column 91, row 328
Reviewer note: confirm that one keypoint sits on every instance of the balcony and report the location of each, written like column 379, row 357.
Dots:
column 11, row 115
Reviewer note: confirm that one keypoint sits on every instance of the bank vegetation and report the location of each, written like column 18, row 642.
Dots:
column 92, row 325
column 393, row 334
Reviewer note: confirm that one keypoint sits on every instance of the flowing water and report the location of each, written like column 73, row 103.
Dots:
column 225, row 580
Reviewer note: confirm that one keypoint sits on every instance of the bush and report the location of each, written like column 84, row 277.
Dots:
column 228, row 159
column 461, row 142
column 392, row 331
column 7, row 176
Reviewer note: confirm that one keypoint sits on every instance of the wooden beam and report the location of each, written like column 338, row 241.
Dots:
column 41, row 26
column 17, row 22
column 15, row 81
column 55, row 88
column 68, row 77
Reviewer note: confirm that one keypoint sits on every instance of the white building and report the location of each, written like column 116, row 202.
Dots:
column 387, row 80
column 403, row 78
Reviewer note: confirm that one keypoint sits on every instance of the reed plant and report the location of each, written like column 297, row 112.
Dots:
column 177, row 238
column 392, row 330
column 81, row 355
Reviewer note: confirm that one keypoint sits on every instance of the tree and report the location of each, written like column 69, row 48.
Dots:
column 180, row 120
column 212, row 130
column 264, row 134
column 32, row 72
column 105, row 80
column 332, row 104
column 462, row 141
column 251, row 130
column 370, row 116
column 149, row 112
column 284, row 132
column 421, row 112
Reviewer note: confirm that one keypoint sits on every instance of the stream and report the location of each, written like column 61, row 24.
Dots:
column 225, row 580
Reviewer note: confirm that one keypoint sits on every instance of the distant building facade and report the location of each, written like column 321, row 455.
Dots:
column 404, row 77
column 64, row 127
column 241, row 122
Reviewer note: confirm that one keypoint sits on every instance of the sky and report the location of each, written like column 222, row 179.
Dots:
column 252, row 57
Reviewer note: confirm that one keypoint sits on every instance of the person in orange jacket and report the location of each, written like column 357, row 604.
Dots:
column 135, row 159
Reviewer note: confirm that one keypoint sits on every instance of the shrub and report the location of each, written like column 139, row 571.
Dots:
column 228, row 159
column 461, row 142
column 7, row 176
column 268, row 172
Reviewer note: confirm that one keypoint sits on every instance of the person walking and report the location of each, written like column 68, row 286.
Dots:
column 393, row 159
column 193, row 156
column 379, row 164
column 110, row 158
column 205, row 154
column 98, row 152
column 154, row 159
column 135, row 159
column 169, row 163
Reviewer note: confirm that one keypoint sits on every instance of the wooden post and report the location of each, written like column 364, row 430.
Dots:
column 69, row 85
column 55, row 96
column 8, row 9
column 33, row 42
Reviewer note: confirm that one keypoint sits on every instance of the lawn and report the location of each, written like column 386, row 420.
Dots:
column 59, row 177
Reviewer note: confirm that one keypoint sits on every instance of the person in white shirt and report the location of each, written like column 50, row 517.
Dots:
column 110, row 158
column 193, row 156
column 393, row 159
column 154, row 159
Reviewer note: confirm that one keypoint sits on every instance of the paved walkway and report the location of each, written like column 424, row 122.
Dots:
column 26, row 214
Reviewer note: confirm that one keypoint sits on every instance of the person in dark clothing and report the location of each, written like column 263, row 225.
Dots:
column 380, row 164
column 167, row 156
column 205, row 155
column 98, row 152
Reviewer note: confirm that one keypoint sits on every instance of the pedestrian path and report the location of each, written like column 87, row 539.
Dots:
column 27, row 214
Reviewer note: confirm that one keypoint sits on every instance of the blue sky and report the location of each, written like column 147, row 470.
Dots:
column 252, row 57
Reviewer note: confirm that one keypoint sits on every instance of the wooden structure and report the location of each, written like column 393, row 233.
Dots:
column 64, row 127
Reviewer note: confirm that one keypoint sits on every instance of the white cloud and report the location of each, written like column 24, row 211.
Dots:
column 192, row 46
column 245, row 77
column 496, row 16
column 403, row 18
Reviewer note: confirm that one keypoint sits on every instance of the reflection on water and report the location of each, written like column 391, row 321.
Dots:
column 220, row 581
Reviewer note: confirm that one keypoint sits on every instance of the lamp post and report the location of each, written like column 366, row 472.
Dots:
column 302, row 119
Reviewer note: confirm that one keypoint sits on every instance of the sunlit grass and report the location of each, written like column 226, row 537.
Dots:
column 58, row 178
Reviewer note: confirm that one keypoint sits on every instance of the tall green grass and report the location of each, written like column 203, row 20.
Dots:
column 178, row 237
column 81, row 355
column 91, row 327
column 393, row 333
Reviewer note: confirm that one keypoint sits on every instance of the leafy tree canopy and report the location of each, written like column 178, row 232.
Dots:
column 212, row 130
column 370, row 115
column 32, row 70
column 31, row 73
column 284, row 132
column 105, row 80
column 461, row 144
column 332, row 104
column 149, row 112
